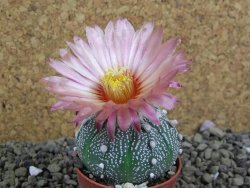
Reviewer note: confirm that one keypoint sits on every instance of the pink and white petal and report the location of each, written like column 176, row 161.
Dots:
column 83, row 101
column 179, row 63
column 166, row 100
column 66, row 71
column 98, row 46
column 175, row 84
column 82, row 50
column 66, row 91
column 64, row 86
column 109, row 39
column 124, row 119
column 163, row 58
column 171, row 73
column 111, row 125
column 70, row 83
column 150, row 112
column 74, row 105
column 79, row 49
column 152, row 80
column 63, row 52
column 82, row 114
column 107, row 110
column 146, row 88
column 80, row 67
column 124, row 33
column 135, row 104
column 136, row 124
column 152, row 47
column 138, row 46
column 158, row 84
column 59, row 105
column 99, row 125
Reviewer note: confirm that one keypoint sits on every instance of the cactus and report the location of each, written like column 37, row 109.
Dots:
column 131, row 156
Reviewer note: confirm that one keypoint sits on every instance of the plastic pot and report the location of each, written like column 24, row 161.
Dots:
column 85, row 182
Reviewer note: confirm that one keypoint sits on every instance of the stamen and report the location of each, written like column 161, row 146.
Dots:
column 118, row 85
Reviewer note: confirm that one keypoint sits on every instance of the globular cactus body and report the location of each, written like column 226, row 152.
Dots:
column 131, row 157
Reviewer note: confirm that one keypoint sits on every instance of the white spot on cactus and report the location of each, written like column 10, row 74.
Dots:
column 164, row 111
column 180, row 137
column 91, row 176
column 128, row 185
column 180, row 151
column 154, row 161
column 173, row 122
column 152, row 144
column 101, row 165
column 152, row 175
column 102, row 176
column 147, row 127
column 103, row 148
column 75, row 148
column 171, row 173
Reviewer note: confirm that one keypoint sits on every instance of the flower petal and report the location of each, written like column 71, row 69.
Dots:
column 71, row 73
column 83, row 52
column 175, row 84
column 149, row 111
column 99, row 125
column 138, row 46
column 64, row 87
column 107, row 110
column 165, row 52
column 124, row 33
column 79, row 66
column 166, row 100
column 152, row 47
column 109, row 39
column 136, row 124
column 124, row 119
column 82, row 114
column 111, row 125
column 97, row 44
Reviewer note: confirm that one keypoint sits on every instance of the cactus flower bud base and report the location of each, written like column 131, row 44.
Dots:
column 131, row 157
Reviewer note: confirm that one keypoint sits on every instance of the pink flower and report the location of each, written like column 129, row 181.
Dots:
column 119, row 74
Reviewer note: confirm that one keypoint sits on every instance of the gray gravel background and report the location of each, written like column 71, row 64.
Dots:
column 212, row 158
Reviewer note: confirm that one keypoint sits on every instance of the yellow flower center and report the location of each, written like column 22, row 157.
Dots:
column 118, row 85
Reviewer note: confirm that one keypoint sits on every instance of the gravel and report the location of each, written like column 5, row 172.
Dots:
column 212, row 158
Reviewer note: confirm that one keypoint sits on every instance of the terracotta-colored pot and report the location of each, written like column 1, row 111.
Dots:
column 85, row 182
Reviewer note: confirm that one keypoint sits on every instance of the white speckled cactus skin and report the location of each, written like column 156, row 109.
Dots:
column 131, row 157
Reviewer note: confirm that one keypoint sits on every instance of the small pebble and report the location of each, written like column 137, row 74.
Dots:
column 207, row 178
column 207, row 124
column 34, row 171
column 217, row 132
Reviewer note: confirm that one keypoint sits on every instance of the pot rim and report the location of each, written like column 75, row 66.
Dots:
column 173, row 178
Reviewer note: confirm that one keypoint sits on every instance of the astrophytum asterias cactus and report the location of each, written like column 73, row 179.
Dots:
column 117, row 79
column 131, row 156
